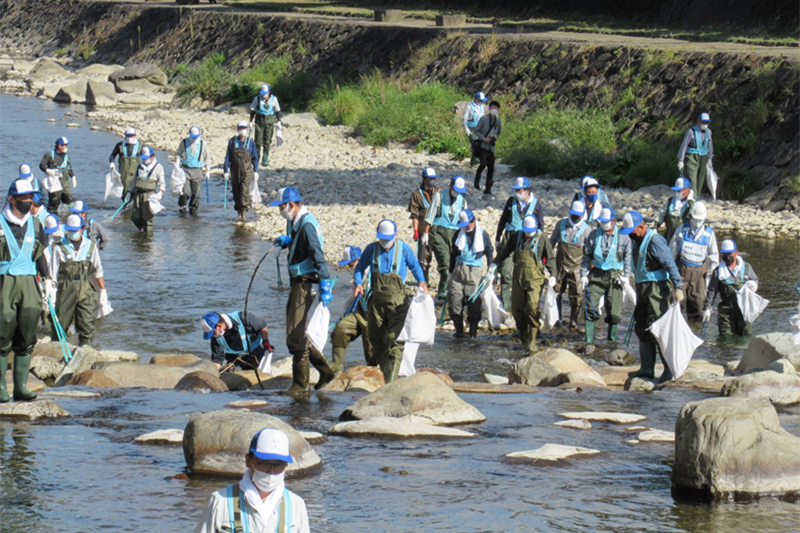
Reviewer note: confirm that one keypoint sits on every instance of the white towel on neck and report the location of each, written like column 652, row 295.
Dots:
column 477, row 242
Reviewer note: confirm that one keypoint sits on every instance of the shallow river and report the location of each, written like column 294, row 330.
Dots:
column 85, row 473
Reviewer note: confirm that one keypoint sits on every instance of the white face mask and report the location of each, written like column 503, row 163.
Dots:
column 695, row 223
column 606, row 226
column 522, row 196
column 243, row 133
column 386, row 245
column 74, row 235
column 494, row 112
column 287, row 213
column 704, row 127
column 679, row 196
column 266, row 482
column 130, row 140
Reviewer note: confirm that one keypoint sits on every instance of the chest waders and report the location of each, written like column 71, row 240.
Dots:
column 387, row 313
column 55, row 199
column 526, row 289
column 730, row 320
column 77, row 296
column 241, row 174
column 144, row 187
column 603, row 284
column 128, row 164
column 568, row 259
column 675, row 218
column 239, row 519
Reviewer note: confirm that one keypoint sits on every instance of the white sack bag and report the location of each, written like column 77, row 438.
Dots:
column 750, row 303
column 278, row 134
column 255, row 195
column 265, row 365
column 52, row 184
column 177, row 180
column 629, row 295
column 154, row 203
column 103, row 306
column 676, row 339
column 114, row 185
column 409, row 357
column 492, row 307
column 317, row 324
column 795, row 321
column 420, row 324
column 712, row 179
column 550, row 314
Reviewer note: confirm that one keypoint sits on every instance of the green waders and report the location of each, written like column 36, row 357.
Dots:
column 603, row 283
column 506, row 270
column 241, row 174
column 463, row 281
column 63, row 196
column 673, row 220
column 696, row 171
column 77, row 298
column 265, row 124
column 694, row 286
column 346, row 331
column 297, row 309
column 127, row 171
column 652, row 301
column 387, row 314
column 141, row 215
column 20, row 305
column 569, row 259
column 440, row 240
column 529, row 278
column 730, row 321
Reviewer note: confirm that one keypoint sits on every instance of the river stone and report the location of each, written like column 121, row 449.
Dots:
column 162, row 436
column 764, row 349
column 619, row 358
column 46, row 368
column 201, row 382
column 217, row 442
column 386, row 427
column 656, row 435
column 99, row 71
column 50, row 349
column 313, row 437
column 600, row 416
column 778, row 389
column 368, row 378
column 32, row 410
column 171, row 359
column 135, row 87
column 640, row 385
column 100, row 93
column 133, row 99
column 247, row 404
column 551, row 453
column 70, row 394
column 47, row 69
column 495, row 380
column 734, row 448
column 139, row 71
column 94, row 379
column 476, row 387
column 574, row 424
column 283, row 369
column 74, row 92
column 301, row 120
column 34, row 384
column 444, row 376
column 84, row 357
column 150, row 376
column 423, row 396
column 781, row 366
column 533, row 371
column 572, row 368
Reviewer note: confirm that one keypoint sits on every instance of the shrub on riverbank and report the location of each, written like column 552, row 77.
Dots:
column 292, row 89
column 206, row 81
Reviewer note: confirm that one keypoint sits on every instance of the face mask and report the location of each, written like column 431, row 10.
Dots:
column 574, row 219
column 427, row 185
column 386, row 245
column 24, row 207
column 287, row 214
column 729, row 260
column 606, row 226
column 266, row 482
column 494, row 112
column 130, row 140
column 521, row 196
column 591, row 198
column 74, row 236
column 704, row 127
column 242, row 133
column 695, row 223
column 64, row 150
column 679, row 196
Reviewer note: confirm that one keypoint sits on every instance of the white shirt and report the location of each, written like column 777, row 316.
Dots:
column 59, row 257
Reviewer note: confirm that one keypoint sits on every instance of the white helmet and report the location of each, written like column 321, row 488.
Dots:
column 699, row 211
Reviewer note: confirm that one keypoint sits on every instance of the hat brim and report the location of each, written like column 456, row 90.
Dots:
column 50, row 231
column 518, row 187
column 208, row 334
column 576, row 213
column 194, row 136
column 344, row 262
column 627, row 231
column 143, row 156
column 72, row 228
column 676, row 188
column 385, row 236
column 530, row 230
column 272, row 457
column 77, row 212
column 276, row 203
column 604, row 220
column 462, row 190
column 464, row 224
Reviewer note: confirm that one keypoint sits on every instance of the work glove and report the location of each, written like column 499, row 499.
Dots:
column 707, row 315
column 50, row 290
column 52, row 172
column 583, row 284
column 416, row 235
column 325, row 294
column 261, row 350
column 111, row 166
column 492, row 270
column 680, row 166
column 752, row 285
column 208, row 174
column 255, row 176
column 424, row 239
column 551, row 281
column 677, row 296
column 74, row 182
column 103, row 298
column 283, row 241
column 227, row 175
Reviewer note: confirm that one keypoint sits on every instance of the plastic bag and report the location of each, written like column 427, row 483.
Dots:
column 114, row 185
column 103, row 306
column 750, row 303
column 420, row 324
column 676, row 339
column 629, row 295
column 255, row 195
column 712, row 179
column 492, row 307
column 550, row 314
column 177, row 180
column 795, row 321
column 317, row 324
column 154, row 203
column 265, row 365
column 409, row 356
column 278, row 134
column 52, row 183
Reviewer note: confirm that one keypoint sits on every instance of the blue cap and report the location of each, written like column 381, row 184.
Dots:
column 705, row 118
column 51, row 224
column 429, row 173
column 607, row 214
column 681, row 183
column 208, row 323
column 62, row 141
column 387, row 229
column 480, row 96
column 270, row 444
column 459, row 184
column 728, row 246
column 194, row 132
column 530, row 224
column 147, row 153
column 351, row 253
column 465, row 218
column 20, row 187
column 286, row 195
column 630, row 222
column 37, row 198
column 78, row 207
column 521, row 183
column 265, row 89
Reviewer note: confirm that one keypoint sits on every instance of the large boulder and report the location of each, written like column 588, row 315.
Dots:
column 422, row 397
column 151, row 376
column 94, row 379
column 245, row 379
column 73, row 92
column 135, row 86
column 392, row 428
column 764, row 349
column 734, row 448
column 84, row 358
column 46, row 368
column 98, row 71
column 100, row 93
column 201, row 382
column 172, row 359
column 217, row 442
column 572, row 368
column 533, row 371
column 46, row 70
column 779, row 389
column 368, row 378
column 140, row 71
column 32, row 410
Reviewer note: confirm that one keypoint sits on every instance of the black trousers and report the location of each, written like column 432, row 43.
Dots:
column 486, row 162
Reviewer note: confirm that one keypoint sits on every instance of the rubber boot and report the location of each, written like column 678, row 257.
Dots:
column 612, row 332
column 647, row 353
column 473, row 330
column 558, row 306
column 338, row 353
column 590, row 331
column 326, row 373
column 477, row 183
column 442, row 292
column 666, row 375
column 3, row 369
column 532, row 344
column 300, row 372
column 22, row 365
column 458, row 322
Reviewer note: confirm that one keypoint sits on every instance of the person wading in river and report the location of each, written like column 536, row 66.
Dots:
column 128, row 151
column 57, row 165
column 418, row 207
column 675, row 211
column 570, row 236
column 236, row 341
column 726, row 280
column 149, row 181
column 91, row 228
column 259, row 502
column 440, row 226
column 356, row 323
column 193, row 154
column 241, row 165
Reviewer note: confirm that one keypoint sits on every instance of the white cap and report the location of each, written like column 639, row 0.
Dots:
column 194, row 132
column 129, row 132
column 459, row 185
column 728, row 246
column 589, row 181
column 606, row 215
column 25, row 171
column 265, row 89
column 147, row 153
column 242, row 124
column 429, row 173
column 78, row 207
column 704, row 117
column 529, row 224
column 271, row 444
column 387, row 229
column 51, row 224
column 699, row 211
column 577, row 208
column 74, row 222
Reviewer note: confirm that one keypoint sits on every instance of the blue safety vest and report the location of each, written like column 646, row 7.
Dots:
column 285, row 510
column 64, row 164
column 268, row 109
column 467, row 256
column 133, row 152
column 701, row 147
column 444, row 211
column 640, row 271
column 84, row 251
column 306, row 266
column 693, row 251
column 731, row 280
column 254, row 341
column 517, row 217
column 478, row 110
column 578, row 232
column 610, row 261
column 521, row 245
column 241, row 144
column 425, row 201
column 191, row 157
column 21, row 263
column 41, row 216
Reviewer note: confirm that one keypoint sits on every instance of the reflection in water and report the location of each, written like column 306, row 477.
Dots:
column 20, row 488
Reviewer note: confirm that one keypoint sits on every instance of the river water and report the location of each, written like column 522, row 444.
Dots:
column 86, row 474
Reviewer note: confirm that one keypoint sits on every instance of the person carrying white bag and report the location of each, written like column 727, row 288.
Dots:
column 389, row 260
column 675, row 339
column 419, row 328
column 732, row 280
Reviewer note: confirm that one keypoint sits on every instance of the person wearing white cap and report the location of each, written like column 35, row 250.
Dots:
column 260, row 501
column 605, row 273
column 488, row 131
column 675, row 211
column 25, row 173
column 601, row 194
column 241, row 165
column 267, row 113
column 54, row 233
column 149, row 180
column 193, row 153
column 77, row 267
column 534, row 264
column 471, row 244
column 658, row 283
column 418, row 208
column 127, row 151
column 22, row 242
column 469, row 120
column 697, row 150
column 518, row 206
column 569, row 235
column 592, row 201
column 441, row 223
column 729, row 277
column 694, row 247
column 355, row 323
column 91, row 228
column 388, row 260
column 236, row 342
column 57, row 165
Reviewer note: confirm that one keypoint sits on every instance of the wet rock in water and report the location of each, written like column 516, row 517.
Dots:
column 217, row 442
column 162, row 436
column 778, row 389
column 245, row 379
column 422, row 396
column 46, row 368
column 551, row 454
column 781, row 366
column 495, row 380
column 765, row 349
column 32, row 410
column 572, row 368
column 247, row 404
column 619, row 358
column 730, row 449
column 533, row 371
column 656, row 435
column 393, row 428
column 574, row 424
column 368, row 378
column 444, row 376
column 34, row 384
column 489, row 388
column 69, row 394
column 84, row 357
column 640, row 385
column 201, row 382
column 283, row 369
column 172, row 359
column 150, row 376
column 94, row 379
column 140, row 71
column 600, row 416
column 313, row 437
